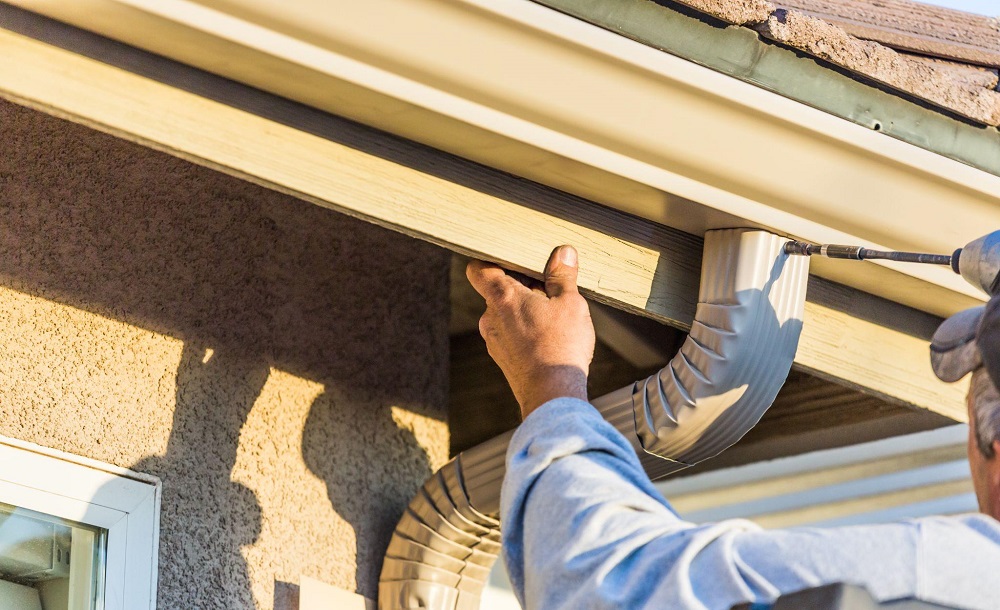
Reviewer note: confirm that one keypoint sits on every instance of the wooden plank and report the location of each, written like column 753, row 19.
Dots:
column 875, row 346
column 394, row 183
column 626, row 262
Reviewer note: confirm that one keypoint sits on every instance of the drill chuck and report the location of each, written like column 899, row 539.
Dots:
column 979, row 263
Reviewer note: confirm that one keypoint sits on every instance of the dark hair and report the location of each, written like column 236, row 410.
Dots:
column 986, row 410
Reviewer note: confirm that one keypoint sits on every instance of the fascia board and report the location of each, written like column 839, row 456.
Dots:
column 565, row 103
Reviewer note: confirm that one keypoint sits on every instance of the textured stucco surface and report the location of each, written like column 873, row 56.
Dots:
column 281, row 367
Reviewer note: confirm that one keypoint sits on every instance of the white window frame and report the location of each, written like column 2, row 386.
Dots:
column 125, row 503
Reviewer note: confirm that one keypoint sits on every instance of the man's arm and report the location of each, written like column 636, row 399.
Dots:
column 540, row 334
column 583, row 527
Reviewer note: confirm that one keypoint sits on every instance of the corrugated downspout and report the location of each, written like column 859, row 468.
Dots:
column 724, row 378
column 445, row 544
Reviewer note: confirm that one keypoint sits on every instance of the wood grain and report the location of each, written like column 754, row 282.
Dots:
column 632, row 264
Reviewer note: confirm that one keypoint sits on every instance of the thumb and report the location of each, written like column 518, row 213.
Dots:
column 561, row 272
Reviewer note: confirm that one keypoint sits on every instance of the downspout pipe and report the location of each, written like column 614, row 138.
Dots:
column 725, row 376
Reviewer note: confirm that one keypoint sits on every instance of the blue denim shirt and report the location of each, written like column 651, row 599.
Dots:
column 583, row 527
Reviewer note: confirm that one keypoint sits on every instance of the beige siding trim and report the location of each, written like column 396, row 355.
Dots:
column 805, row 481
column 833, row 510
column 887, row 480
column 627, row 262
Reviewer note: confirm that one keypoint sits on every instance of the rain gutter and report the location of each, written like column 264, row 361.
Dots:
column 743, row 54
column 549, row 97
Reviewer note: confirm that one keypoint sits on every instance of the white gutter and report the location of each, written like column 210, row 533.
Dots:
column 529, row 90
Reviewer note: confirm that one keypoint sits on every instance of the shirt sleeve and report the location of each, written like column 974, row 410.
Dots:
column 583, row 527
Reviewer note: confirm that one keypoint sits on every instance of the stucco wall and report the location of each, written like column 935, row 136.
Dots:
column 281, row 367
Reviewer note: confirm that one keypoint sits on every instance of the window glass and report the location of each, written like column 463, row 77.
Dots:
column 47, row 563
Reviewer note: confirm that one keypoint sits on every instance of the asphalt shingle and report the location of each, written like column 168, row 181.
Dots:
column 945, row 57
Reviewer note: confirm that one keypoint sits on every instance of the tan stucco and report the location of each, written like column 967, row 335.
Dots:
column 281, row 367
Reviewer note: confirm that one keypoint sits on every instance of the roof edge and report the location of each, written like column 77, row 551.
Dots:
column 700, row 31
column 833, row 43
column 882, row 64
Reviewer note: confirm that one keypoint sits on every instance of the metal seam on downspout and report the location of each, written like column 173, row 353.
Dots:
column 749, row 318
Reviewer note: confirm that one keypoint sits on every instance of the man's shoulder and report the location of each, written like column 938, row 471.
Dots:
column 974, row 521
column 958, row 560
column 965, row 527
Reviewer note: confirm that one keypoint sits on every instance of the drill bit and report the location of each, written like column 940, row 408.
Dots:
column 859, row 253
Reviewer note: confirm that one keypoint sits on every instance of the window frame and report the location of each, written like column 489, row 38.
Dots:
column 123, row 502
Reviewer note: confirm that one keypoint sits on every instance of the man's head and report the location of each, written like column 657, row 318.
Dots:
column 969, row 342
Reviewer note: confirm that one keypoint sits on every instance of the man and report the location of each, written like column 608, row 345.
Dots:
column 583, row 527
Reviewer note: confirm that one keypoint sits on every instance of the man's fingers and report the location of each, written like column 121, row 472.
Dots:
column 561, row 272
column 490, row 281
column 528, row 282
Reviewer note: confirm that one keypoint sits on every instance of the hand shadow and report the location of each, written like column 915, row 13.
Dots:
column 206, row 517
column 361, row 488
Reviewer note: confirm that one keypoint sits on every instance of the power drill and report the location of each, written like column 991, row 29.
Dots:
column 978, row 262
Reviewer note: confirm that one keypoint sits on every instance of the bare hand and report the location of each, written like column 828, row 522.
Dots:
column 542, row 337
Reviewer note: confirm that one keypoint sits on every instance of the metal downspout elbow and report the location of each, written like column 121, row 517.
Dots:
column 725, row 376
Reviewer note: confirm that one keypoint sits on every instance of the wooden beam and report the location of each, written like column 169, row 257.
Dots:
column 626, row 262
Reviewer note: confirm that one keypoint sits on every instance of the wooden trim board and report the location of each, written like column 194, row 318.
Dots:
column 629, row 263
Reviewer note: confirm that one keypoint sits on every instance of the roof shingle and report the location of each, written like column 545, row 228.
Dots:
column 897, row 43
column 912, row 26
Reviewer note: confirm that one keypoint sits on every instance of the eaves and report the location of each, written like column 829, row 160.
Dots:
column 543, row 95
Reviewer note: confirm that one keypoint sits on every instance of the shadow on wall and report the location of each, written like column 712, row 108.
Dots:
column 250, row 281
column 211, row 517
